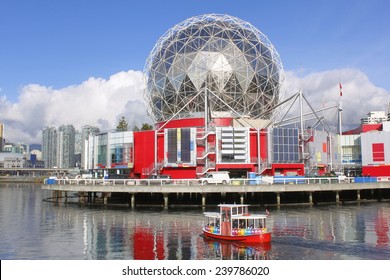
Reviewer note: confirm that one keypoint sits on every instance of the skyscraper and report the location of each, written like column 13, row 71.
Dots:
column 65, row 146
column 49, row 146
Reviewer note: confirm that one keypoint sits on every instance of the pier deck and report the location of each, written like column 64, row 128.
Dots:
column 239, row 186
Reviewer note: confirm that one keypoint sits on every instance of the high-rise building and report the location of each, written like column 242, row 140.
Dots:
column 65, row 146
column 77, row 148
column 49, row 147
column 86, row 132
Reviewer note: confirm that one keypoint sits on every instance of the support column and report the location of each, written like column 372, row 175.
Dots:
column 278, row 199
column 242, row 198
column 89, row 197
column 66, row 196
column 337, row 197
column 82, row 197
column 56, row 195
column 358, row 195
column 104, row 198
column 310, row 198
column 203, row 199
column 132, row 201
column 165, row 200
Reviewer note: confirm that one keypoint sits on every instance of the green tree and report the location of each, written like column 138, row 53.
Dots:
column 122, row 124
column 146, row 126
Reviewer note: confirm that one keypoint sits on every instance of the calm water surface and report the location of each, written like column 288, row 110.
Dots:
column 31, row 228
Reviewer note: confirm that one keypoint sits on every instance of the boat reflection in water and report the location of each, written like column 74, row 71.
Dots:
column 225, row 250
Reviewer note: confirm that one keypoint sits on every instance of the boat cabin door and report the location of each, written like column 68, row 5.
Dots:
column 226, row 217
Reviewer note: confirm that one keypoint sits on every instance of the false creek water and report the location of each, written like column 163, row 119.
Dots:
column 32, row 228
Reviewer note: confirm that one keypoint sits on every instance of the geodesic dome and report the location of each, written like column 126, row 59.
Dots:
column 218, row 57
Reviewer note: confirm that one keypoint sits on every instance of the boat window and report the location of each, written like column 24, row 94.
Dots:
column 242, row 223
column 251, row 223
column 239, row 209
column 234, row 211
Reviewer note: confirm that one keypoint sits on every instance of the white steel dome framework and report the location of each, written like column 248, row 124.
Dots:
column 220, row 54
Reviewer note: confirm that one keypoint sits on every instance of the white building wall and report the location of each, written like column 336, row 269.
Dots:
column 386, row 126
column 369, row 138
column 316, row 149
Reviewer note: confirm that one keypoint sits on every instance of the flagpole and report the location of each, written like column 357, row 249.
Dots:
column 340, row 130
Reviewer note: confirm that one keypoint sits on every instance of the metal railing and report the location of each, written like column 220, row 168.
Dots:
column 265, row 180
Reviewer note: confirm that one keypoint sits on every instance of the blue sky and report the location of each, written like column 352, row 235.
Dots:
column 60, row 44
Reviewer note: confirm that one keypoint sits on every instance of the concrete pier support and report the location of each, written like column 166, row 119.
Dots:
column 132, row 201
column 358, row 195
column 310, row 198
column 203, row 199
column 104, row 198
column 82, row 198
column 165, row 200
column 278, row 199
column 89, row 195
column 66, row 196
column 242, row 198
column 337, row 197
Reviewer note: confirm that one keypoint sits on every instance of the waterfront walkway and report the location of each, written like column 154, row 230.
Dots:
column 309, row 186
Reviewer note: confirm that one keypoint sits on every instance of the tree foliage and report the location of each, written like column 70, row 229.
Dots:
column 122, row 124
column 146, row 126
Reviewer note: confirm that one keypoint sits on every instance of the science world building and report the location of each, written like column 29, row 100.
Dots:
column 212, row 85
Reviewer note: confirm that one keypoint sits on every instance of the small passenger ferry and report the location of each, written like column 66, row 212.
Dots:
column 235, row 223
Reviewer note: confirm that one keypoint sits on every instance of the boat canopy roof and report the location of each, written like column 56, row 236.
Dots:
column 212, row 214
column 246, row 216
column 233, row 205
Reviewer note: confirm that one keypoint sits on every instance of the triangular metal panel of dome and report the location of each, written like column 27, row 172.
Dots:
column 200, row 66
column 244, row 76
column 210, row 46
column 262, row 70
column 160, row 85
column 221, row 64
column 169, row 90
column 253, row 85
column 187, row 88
column 197, row 74
column 190, row 47
column 204, row 33
column 177, row 80
column 232, row 85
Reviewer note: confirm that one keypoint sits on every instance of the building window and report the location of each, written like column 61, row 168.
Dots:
column 285, row 145
column 378, row 152
column 179, row 146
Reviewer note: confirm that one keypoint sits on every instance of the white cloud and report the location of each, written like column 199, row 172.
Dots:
column 359, row 97
column 96, row 101
column 102, row 102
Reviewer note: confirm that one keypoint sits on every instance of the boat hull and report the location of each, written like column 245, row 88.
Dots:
column 255, row 238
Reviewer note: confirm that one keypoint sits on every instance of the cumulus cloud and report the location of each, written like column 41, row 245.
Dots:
column 359, row 95
column 97, row 101
column 101, row 102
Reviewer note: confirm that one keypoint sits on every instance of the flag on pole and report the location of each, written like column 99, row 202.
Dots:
column 341, row 89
